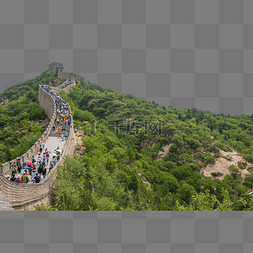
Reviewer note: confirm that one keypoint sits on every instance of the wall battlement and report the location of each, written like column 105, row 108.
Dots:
column 22, row 196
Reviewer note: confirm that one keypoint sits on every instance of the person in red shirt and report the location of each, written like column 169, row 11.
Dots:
column 18, row 180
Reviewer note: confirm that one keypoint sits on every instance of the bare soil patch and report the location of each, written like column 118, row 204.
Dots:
column 165, row 150
column 143, row 179
column 5, row 101
column 222, row 165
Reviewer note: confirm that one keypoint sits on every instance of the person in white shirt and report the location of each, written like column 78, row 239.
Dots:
column 41, row 146
column 54, row 160
column 39, row 158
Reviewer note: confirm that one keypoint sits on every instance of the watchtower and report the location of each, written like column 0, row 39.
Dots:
column 61, row 73
column 54, row 65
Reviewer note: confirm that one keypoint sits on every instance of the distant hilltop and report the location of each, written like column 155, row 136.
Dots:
column 61, row 73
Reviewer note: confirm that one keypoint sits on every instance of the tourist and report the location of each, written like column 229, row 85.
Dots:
column 13, row 178
column 36, row 179
column 44, row 172
column 35, row 165
column 13, row 171
column 25, row 178
column 40, row 169
column 41, row 146
column 33, row 173
column 47, row 157
column 54, row 160
column 39, row 157
column 18, row 180
column 29, row 169
column 19, row 166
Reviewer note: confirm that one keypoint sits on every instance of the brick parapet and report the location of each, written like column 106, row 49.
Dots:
column 22, row 195
column 47, row 102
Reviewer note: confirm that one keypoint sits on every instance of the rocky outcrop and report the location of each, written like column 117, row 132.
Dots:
column 143, row 179
column 165, row 151
column 222, row 165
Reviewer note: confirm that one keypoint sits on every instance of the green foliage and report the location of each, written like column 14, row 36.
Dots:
column 193, row 143
column 113, row 161
column 121, row 171
column 21, row 116
column 210, row 159
column 242, row 166
column 42, row 207
column 82, row 115
column 72, row 187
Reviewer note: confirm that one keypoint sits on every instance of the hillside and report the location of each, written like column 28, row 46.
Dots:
column 176, row 163
column 156, row 159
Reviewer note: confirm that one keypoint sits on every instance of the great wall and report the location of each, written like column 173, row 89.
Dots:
column 19, row 197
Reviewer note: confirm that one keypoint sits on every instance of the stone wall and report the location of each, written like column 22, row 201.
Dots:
column 48, row 104
column 63, row 75
column 23, row 196
column 70, row 148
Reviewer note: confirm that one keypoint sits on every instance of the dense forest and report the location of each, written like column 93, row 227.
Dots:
column 121, row 167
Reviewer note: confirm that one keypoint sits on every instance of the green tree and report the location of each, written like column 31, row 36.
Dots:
column 186, row 192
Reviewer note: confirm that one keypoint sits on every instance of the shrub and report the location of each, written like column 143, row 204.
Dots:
column 193, row 143
column 242, row 165
column 210, row 159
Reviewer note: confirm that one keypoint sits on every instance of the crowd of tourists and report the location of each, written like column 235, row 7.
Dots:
column 37, row 169
column 65, row 84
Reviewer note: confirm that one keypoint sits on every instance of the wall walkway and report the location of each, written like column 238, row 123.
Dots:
column 24, row 196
